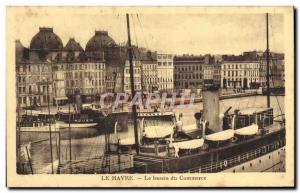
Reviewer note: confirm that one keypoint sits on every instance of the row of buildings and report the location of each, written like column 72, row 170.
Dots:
column 48, row 68
column 245, row 71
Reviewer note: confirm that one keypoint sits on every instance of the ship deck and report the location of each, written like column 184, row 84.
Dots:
column 162, row 159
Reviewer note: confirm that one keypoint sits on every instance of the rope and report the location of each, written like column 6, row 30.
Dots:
column 138, row 18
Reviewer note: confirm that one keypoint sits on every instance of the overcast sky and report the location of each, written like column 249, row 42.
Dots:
column 172, row 33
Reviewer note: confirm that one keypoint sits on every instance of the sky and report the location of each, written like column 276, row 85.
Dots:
column 169, row 33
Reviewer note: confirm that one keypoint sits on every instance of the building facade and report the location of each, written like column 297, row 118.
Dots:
column 149, row 72
column 241, row 74
column 101, row 47
column 249, row 71
column 212, row 75
column 165, row 71
column 188, row 72
column 34, row 84
column 136, row 76
column 63, row 70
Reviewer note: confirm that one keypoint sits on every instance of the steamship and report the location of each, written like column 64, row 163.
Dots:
column 243, row 140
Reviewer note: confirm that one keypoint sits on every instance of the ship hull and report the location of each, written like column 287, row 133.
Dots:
column 271, row 162
column 77, row 125
column 230, row 158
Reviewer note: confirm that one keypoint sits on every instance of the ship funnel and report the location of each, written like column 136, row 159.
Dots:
column 211, row 94
column 78, row 101
column 211, row 109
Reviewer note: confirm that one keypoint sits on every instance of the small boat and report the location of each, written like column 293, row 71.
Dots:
column 75, row 124
column 247, row 131
column 189, row 144
column 86, row 119
column 186, row 145
column 220, row 136
column 34, row 123
column 40, row 127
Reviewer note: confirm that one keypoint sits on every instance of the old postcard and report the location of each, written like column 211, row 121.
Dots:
column 150, row 97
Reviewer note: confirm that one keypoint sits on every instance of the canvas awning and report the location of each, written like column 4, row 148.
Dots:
column 157, row 131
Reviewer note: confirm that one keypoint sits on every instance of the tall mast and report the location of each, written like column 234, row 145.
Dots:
column 50, row 132
column 70, row 144
column 18, row 119
column 142, row 82
column 268, row 65
column 132, row 87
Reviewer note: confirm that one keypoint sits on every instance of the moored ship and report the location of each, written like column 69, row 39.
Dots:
column 247, row 140
column 243, row 140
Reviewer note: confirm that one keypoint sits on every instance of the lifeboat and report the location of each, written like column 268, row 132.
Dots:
column 189, row 144
column 221, row 136
column 247, row 131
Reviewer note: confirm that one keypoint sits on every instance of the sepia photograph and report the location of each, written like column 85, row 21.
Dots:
column 150, row 96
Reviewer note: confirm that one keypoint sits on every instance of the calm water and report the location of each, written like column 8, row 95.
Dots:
column 89, row 143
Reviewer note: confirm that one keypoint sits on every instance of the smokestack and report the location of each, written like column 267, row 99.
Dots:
column 211, row 109
column 78, row 102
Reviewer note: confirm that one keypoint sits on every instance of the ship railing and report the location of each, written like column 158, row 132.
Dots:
column 235, row 160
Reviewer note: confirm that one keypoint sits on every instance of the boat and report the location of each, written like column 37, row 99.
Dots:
column 245, row 140
column 39, row 127
column 77, row 123
column 247, row 131
column 87, row 118
column 37, row 123
column 221, row 136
